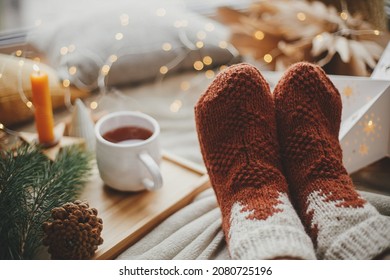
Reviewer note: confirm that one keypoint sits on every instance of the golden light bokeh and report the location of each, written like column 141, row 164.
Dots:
column 268, row 58
column 301, row 16
column 259, row 35
column 66, row 83
column 198, row 65
column 163, row 70
column 166, row 47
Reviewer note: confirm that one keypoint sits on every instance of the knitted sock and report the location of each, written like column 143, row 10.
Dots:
column 340, row 222
column 236, row 127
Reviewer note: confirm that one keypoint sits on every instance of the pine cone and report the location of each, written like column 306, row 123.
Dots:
column 74, row 232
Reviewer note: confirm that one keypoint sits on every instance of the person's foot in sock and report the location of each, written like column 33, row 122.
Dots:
column 341, row 224
column 236, row 126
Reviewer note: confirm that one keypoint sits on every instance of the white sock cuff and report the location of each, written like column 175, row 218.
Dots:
column 365, row 241
column 273, row 241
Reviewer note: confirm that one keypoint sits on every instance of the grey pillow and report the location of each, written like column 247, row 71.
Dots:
column 139, row 37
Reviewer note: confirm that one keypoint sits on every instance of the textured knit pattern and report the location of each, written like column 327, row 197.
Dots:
column 340, row 222
column 236, row 126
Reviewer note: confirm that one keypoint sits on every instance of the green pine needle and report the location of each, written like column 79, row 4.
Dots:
column 30, row 187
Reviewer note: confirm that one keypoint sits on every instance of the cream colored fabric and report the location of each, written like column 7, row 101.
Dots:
column 149, row 38
column 347, row 232
column 195, row 232
column 380, row 202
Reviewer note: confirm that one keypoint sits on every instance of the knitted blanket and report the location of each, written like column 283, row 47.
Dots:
column 195, row 231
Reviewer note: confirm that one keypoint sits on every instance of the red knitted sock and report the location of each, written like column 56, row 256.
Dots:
column 340, row 223
column 236, row 127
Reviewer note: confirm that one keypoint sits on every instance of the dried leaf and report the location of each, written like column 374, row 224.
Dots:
column 341, row 46
column 321, row 43
column 360, row 53
column 373, row 48
column 303, row 30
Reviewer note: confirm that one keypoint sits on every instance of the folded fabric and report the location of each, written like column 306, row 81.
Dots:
column 195, row 231
column 129, row 42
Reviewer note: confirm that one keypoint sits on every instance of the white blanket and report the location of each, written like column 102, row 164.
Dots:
column 195, row 232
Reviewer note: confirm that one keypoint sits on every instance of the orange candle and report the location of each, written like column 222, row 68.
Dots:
column 43, row 108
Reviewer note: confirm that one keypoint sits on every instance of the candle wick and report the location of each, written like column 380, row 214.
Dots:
column 37, row 70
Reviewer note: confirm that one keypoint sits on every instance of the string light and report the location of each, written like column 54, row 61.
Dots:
column 344, row 15
column 209, row 27
column 259, row 35
column 268, row 58
column 199, row 44
column 93, row 105
column 163, row 70
column 198, row 65
column 222, row 67
column 180, row 23
column 66, row 83
column 207, row 60
column 223, row 44
column 161, row 12
column 119, row 36
column 201, row 35
column 209, row 74
column 185, row 85
column 166, row 47
column 72, row 70
column 301, row 16
column 64, row 50
column 71, row 48
column 113, row 58
column 105, row 69
column 124, row 18
column 175, row 106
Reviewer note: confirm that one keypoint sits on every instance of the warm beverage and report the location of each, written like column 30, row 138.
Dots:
column 127, row 134
column 128, row 152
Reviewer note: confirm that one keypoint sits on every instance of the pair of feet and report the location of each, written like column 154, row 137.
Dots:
column 275, row 164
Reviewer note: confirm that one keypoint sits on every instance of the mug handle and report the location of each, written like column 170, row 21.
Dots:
column 153, row 169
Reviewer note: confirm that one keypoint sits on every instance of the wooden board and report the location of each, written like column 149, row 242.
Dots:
column 129, row 216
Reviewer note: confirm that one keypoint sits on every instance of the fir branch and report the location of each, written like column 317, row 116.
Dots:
column 30, row 187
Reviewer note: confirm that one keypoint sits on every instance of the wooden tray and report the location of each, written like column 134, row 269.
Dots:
column 129, row 216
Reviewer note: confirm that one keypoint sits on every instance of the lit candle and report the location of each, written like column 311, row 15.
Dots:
column 43, row 107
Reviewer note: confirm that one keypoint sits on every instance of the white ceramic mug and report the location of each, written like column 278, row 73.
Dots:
column 129, row 165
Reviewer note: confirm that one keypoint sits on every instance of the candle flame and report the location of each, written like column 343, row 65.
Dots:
column 36, row 68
